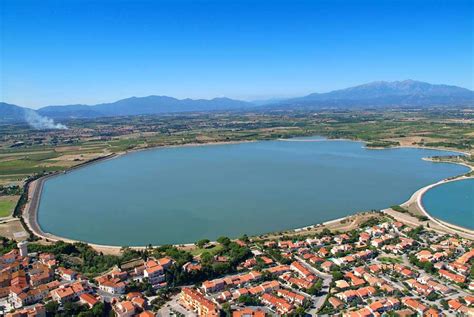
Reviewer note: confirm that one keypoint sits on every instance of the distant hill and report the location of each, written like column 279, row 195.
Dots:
column 143, row 106
column 11, row 113
column 396, row 93
column 375, row 94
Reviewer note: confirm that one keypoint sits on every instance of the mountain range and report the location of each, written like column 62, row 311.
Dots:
column 375, row 94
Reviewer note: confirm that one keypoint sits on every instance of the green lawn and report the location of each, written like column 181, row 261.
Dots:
column 394, row 260
column 212, row 250
column 7, row 204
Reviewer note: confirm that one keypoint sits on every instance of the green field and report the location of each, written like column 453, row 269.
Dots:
column 7, row 204
column 393, row 260
column 213, row 250
column 47, row 151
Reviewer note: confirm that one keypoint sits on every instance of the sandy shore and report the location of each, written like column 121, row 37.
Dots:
column 30, row 212
column 418, row 198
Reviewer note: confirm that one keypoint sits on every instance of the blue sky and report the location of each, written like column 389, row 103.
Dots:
column 65, row 52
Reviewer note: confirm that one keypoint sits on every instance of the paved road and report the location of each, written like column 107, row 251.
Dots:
column 318, row 301
column 173, row 305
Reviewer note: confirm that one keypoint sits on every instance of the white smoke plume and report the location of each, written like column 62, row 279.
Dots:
column 39, row 122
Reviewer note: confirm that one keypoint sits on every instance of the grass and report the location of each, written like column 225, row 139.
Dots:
column 399, row 208
column 7, row 204
column 44, row 150
column 212, row 250
column 394, row 260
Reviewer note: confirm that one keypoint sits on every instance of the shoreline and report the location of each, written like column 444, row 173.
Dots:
column 418, row 197
column 35, row 188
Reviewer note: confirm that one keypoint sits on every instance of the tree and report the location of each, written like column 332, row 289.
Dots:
column 316, row 288
column 201, row 243
column 245, row 238
column 206, row 258
column 444, row 303
column 300, row 311
column 225, row 241
column 51, row 307
column 227, row 309
column 432, row 296
column 248, row 300
column 98, row 309
column 337, row 275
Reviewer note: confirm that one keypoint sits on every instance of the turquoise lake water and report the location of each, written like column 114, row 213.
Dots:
column 452, row 202
column 180, row 195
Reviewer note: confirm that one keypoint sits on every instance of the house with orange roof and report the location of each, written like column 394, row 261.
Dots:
column 63, row 294
column 357, row 282
column 155, row 274
column 119, row 274
column 190, row 267
column 463, row 259
column 225, row 296
column 112, row 285
column 387, row 289
column 239, row 292
column 278, row 270
column 195, row 301
column 248, row 312
column 375, row 268
column 35, row 311
column 452, row 276
column 146, row 313
column 455, row 304
column 365, row 291
column 364, row 237
column 40, row 274
column 342, row 284
column 19, row 279
column 327, row 266
column 292, row 297
column 424, row 255
column 165, row 262
column 335, row 303
column 415, row 304
column 140, row 302
column 315, row 259
column 302, row 270
column 124, row 309
column 469, row 300
column 373, row 281
column 363, row 312
column 88, row 299
column 250, row 263
column 281, row 305
column 48, row 259
column 265, row 287
column 323, row 252
column 266, row 260
column 213, row 286
column 432, row 312
column 347, row 296
column 66, row 274
column 459, row 268
column 302, row 283
column 340, row 239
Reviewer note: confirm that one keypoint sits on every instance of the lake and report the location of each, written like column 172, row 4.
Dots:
column 452, row 202
column 182, row 194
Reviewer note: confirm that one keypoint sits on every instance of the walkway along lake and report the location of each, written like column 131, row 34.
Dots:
column 182, row 194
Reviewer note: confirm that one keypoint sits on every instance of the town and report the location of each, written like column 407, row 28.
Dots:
column 383, row 267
